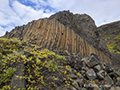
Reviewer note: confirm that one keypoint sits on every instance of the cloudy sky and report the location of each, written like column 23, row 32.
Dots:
column 18, row 12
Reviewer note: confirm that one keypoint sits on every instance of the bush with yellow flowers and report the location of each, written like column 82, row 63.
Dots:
column 43, row 70
column 7, row 47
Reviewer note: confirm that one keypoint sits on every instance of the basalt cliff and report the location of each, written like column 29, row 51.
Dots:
column 63, row 52
column 64, row 31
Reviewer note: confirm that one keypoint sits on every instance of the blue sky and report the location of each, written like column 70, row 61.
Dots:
column 20, row 12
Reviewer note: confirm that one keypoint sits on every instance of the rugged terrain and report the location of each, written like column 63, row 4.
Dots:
column 24, row 67
column 65, row 31
column 63, row 52
column 111, row 34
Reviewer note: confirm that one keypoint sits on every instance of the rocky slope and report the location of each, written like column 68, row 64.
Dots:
column 24, row 67
column 64, row 31
column 111, row 34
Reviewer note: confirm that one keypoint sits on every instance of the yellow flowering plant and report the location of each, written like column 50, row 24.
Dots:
column 38, row 68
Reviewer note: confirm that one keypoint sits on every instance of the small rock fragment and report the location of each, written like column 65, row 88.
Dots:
column 101, row 74
column 91, row 60
column 91, row 74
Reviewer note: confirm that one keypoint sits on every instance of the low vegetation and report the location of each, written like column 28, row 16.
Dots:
column 113, row 43
column 43, row 69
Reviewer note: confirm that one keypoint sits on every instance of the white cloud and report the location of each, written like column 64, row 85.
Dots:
column 13, row 13
column 62, row 4
column 6, row 13
column 102, row 11
column 99, row 10
column 39, row 2
column 56, row 4
column 8, row 17
column 20, row 9
column 3, row 30
column 17, row 15
column 27, row 13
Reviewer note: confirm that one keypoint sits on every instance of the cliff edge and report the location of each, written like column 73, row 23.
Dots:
column 65, row 31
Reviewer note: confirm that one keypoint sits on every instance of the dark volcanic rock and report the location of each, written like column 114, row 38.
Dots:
column 111, row 33
column 16, row 80
column 91, row 60
column 83, row 25
column 91, row 74
column 101, row 74
column 64, row 31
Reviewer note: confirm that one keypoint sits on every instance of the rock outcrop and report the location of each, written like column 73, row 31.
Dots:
column 64, row 31
column 111, row 34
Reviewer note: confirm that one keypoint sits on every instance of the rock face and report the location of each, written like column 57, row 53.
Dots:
column 64, row 31
column 111, row 34
column 84, row 26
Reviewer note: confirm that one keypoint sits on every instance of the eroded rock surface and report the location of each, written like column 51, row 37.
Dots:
column 64, row 31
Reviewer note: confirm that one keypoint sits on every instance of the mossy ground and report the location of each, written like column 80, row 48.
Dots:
column 43, row 70
column 113, row 43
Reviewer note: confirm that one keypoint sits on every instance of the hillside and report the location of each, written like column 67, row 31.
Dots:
column 64, row 31
column 28, row 68
column 24, row 67
column 111, row 34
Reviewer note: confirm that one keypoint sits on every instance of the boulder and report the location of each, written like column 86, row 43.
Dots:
column 16, row 80
column 113, row 75
column 76, row 86
column 91, row 74
column 107, row 80
column 83, row 70
column 91, row 60
column 97, row 68
column 82, row 64
column 108, row 68
column 101, row 74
